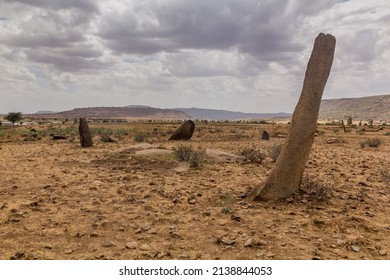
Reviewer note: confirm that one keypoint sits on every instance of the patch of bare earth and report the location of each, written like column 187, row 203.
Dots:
column 59, row 201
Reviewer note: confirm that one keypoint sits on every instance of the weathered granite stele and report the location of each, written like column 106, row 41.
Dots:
column 286, row 176
column 184, row 132
column 85, row 134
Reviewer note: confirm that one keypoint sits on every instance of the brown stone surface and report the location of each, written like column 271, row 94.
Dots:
column 265, row 135
column 184, row 132
column 85, row 134
column 56, row 195
column 286, row 177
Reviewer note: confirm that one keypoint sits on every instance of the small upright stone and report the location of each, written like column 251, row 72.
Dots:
column 265, row 135
column 85, row 134
column 184, row 132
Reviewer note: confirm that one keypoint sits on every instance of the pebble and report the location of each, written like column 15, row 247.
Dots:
column 318, row 222
column 235, row 218
column 192, row 201
column 227, row 242
column 48, row 246
column 383, row 252
column 248, row 243
column 94, row 234
column 152, row 231
column 340, row 242
column 355, row 248
column 18, row 255
column 144, row 247
column 109, row 244
column 131, row 245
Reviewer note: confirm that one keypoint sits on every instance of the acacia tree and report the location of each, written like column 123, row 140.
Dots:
column 13, row 117
column 287, row 174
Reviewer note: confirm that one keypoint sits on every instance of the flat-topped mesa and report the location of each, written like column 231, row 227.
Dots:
column 287, row 174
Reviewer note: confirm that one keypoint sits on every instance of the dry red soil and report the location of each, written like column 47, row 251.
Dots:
column 60, row 201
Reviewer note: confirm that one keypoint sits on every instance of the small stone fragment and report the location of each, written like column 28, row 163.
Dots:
column 108, row 244
column 144, row 247
column 383, row 252
column 192, row 201
column 131, row 245
column 318, row 222
column 340, row 242
column 94, row 234
column 289, row 200
column 248, row 243
column 18, row 255
column 152, row 231
column 228, row 242
column 355, row 248
column 235, row 218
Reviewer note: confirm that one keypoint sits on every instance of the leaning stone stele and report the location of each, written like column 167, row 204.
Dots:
column 286, row 177
column 184, row 132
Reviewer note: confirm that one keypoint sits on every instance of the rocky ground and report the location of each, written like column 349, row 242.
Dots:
column 111, row 201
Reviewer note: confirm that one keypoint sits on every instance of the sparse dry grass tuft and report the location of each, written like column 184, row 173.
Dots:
column 252, row 155
column 188, row 154
column 315, row 189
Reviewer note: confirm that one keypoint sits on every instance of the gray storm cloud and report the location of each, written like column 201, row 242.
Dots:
column 186, row 53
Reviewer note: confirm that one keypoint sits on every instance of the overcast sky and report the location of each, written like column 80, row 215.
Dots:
column 240, row 55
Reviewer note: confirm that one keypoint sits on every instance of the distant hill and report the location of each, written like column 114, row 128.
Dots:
column 45, row 112
column 120, row 112
column 137, row 106
column 363, row 108
column 219, row 115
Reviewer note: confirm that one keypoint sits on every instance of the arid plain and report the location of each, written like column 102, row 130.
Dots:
column 111, row 201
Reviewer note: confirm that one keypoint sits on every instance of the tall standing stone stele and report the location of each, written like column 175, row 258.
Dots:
column 184, row 132
column 286, row 177
column 85, row 134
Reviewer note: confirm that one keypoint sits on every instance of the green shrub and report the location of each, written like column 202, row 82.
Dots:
column 121, row 132
column 140, row 137
column 101, row 131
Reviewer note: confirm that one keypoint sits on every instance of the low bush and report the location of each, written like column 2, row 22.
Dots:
column 140, row 137
column 252, row 155
column 188, row 154
column 385, row 174
column 315, row 189
column 374, row 142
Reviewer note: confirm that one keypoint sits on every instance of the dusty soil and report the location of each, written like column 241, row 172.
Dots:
column 60, row 201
